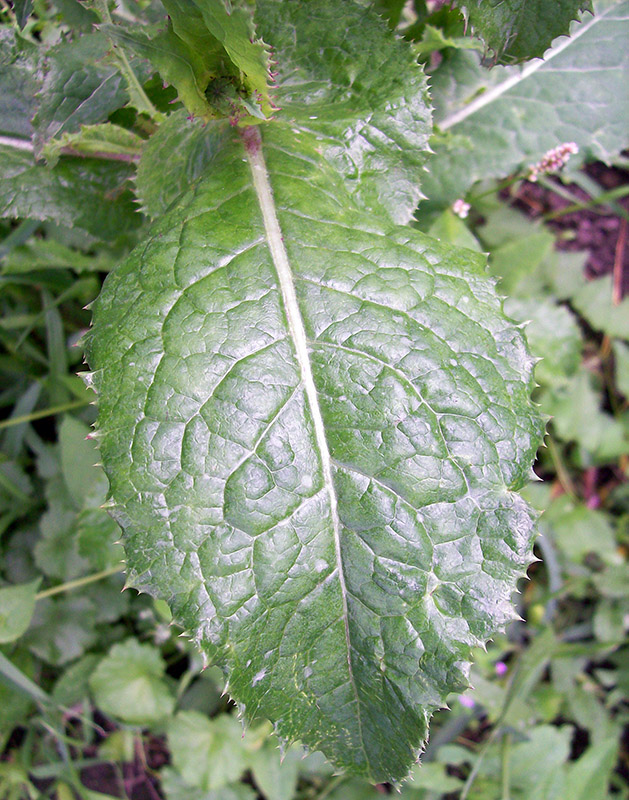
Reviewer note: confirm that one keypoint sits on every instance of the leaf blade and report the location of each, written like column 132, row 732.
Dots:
column 257, row 473
column 521, row 29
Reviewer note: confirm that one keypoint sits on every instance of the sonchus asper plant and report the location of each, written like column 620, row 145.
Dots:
column 315, row 419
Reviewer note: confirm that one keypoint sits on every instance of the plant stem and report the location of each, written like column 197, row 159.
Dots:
column 19, row 235
column 24, row 144
column 67, row 587
column 479, row 760
column 45, row 412
column 136, row 93
column 331, row 786
column 497, row 187
column 602, row 199
column 563, row 477
column 619, row 261
column 505, row 759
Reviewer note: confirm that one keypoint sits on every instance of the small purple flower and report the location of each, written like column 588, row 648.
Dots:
column 466, row 700
column 501, row 668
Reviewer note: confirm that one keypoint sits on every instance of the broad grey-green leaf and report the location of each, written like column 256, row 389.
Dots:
column 496, row 121
column 209, row 753
column 78, row 192
column 516, row 30
column 314, row 423
column 61, row 629
column 84, row 481
column 175, row 788
column 450, row 228
column 129, row 684
column 594, row 302
column 621, row 366
column 553, row 335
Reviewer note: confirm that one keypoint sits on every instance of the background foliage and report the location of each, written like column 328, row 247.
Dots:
column 101, row 695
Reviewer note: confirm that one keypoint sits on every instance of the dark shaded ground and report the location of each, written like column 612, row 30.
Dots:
column 599, row 230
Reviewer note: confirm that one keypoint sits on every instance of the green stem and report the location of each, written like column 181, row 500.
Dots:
column 19, row 235
column 562, row 473
column 45, row 412
column 479, row 760
column 11, row 488
column 136, row 92
column 331, row 786
column 602, row 199
column 505, row 759
column 557, row 188
column 67, row 587
column 498, row 187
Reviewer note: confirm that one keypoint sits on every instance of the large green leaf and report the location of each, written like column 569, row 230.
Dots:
column 516, row 30
column 314, row 424
column 496, row 121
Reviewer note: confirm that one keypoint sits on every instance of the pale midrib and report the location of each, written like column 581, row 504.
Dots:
column 297, row 330
column 497, row 91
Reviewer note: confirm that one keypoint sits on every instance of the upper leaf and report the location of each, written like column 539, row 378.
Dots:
column 210, row 53
column 493, row 122
column 231, row 25
column 342, row 76
column 79, row 87
column 516, row 30
column 314, row 423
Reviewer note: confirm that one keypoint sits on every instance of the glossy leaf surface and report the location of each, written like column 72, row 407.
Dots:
column 79, row 87
column 19, row 83
column 346, row 79
column 314, row 423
